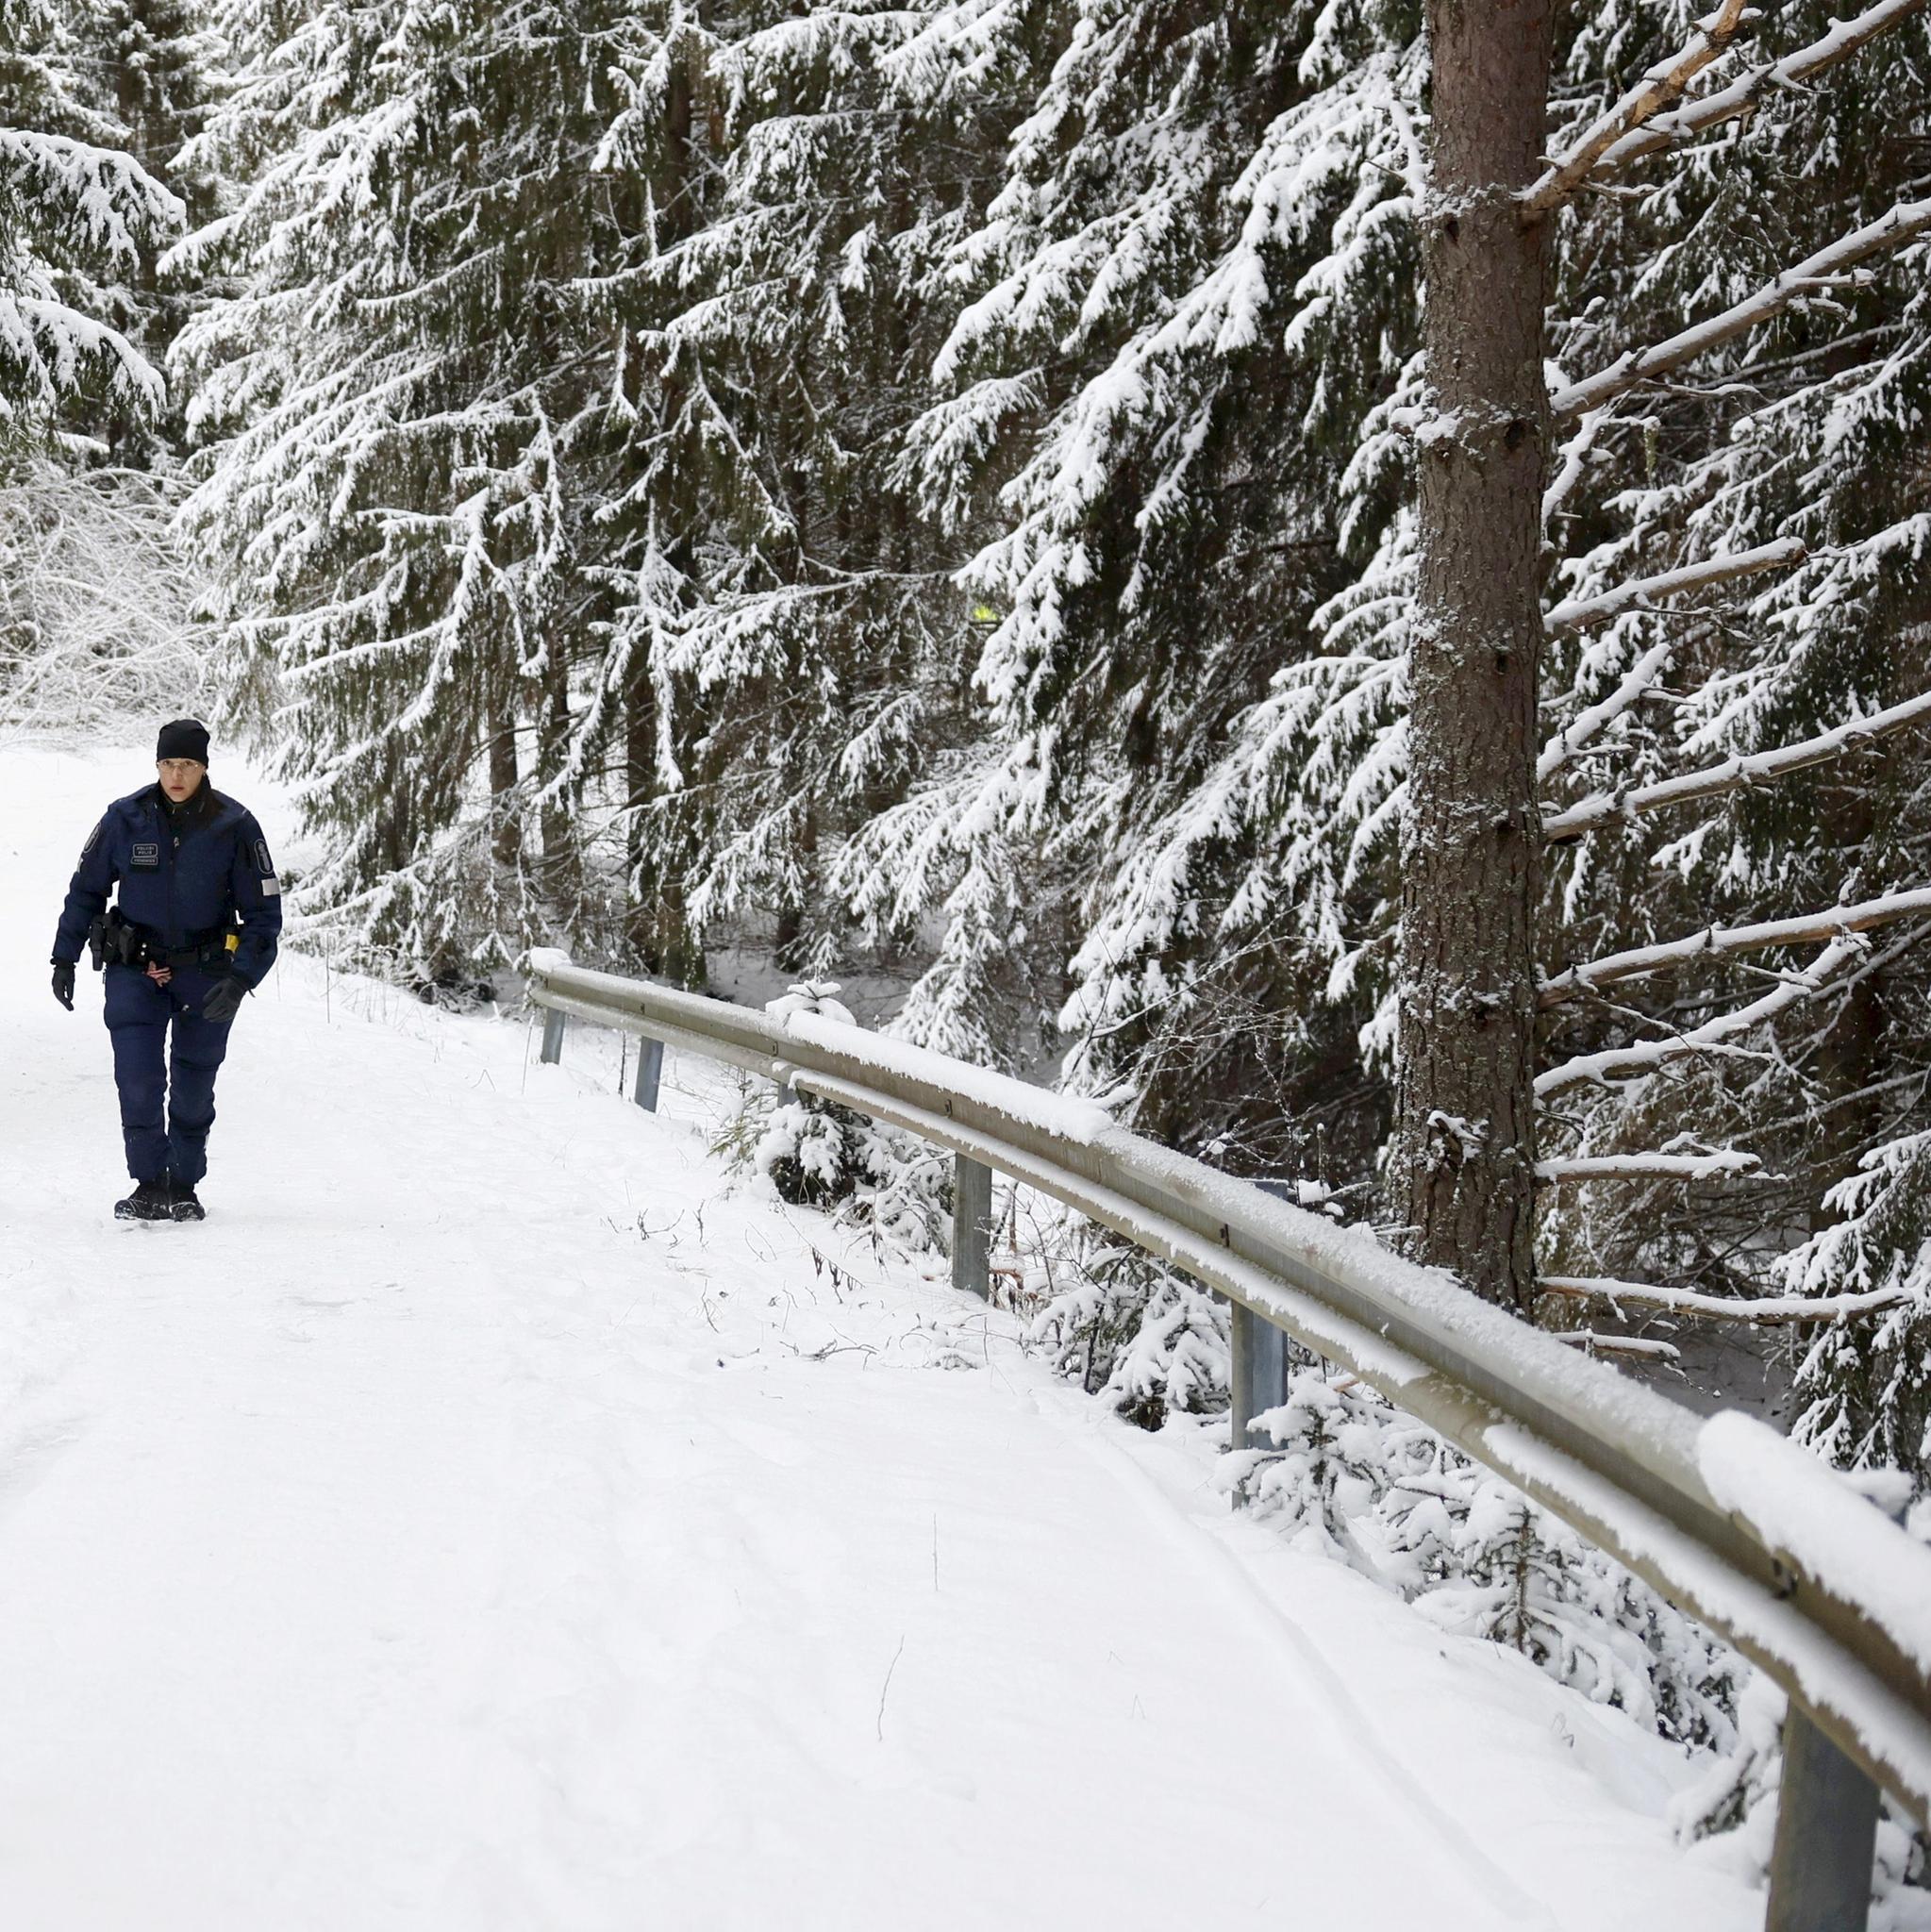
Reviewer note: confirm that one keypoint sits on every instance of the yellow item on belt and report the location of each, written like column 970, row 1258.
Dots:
column 234, row 941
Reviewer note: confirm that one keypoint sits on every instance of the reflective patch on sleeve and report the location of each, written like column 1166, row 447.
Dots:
column 271, row 886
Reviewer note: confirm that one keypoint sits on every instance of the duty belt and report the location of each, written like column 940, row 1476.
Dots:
column 203, row 948
column 117, row 940
column 199, row 950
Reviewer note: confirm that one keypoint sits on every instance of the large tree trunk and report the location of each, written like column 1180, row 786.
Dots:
column 562, row 872
column 656, row 924
column 506, row 839
column 1465, row 1137
column 656, row 921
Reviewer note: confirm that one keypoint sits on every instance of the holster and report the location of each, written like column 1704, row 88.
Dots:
column 112, row 941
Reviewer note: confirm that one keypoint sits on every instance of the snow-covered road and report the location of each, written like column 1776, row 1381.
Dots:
column 493, row 1518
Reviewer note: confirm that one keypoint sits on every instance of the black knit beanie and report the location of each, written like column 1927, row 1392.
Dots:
column 186, row 738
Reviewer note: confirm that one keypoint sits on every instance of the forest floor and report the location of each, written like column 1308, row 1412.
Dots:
column 500, row 1515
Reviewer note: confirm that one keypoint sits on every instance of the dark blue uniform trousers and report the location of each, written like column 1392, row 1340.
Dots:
column 138, row 1015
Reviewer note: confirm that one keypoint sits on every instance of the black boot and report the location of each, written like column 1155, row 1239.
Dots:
column 187, row 1204
column 150, row 1201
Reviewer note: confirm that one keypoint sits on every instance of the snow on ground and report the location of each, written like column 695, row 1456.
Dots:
column 495, row 1516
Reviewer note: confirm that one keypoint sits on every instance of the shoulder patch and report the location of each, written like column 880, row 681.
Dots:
column 263, row 863
column 93, row 838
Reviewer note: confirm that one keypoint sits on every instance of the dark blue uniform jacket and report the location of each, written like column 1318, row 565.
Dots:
column 184, row 879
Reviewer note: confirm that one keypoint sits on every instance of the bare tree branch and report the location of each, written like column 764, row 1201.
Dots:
column 1731, row 102
column 1579, row 612
column 1732, row 775
column 1764, row 1311
column 1819, row 270
column 1662, row 83
column 1719, row 941
column 1644, row 1056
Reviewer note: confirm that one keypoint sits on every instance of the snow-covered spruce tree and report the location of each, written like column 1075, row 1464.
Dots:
column 91, row 597
column 1192, row 290
column 157, row 63
column 1650, row 474
column 78, row 217
column 1737, row 662
column 787, row 648
column 407, row 449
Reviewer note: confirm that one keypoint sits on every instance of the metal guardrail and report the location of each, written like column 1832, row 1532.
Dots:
column 1740, row 1528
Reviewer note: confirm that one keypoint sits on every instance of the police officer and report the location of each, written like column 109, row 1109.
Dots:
column 196, row 928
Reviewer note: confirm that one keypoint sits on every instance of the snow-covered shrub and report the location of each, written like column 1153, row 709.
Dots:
column 818, row 1155
column 1737, row 1791
column 96, row 601
column 1736, row 1798
column 1148, row 1340
column 1325, row 1470
column 813, row 1152
column 1381, row 1491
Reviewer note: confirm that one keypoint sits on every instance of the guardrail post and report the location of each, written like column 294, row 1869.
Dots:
column 1260, row 1379
column 972, row 1226
column 650, row 1071
column 553, row 1037
column 1819, row 1864
column 1241, row 1378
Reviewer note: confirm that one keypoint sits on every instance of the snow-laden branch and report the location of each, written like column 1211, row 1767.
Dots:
column 1573, row 463
column 1720, row 942
column 1731, row 102
column 1729, row 1162
column 1645, row 1348
column 1734, row 774
column 1662, row 83
column 1641, row 592
column 1766, row 1310
column 1810, row 276
column 1645, row 673
column 100, row 198
column 1647, row 1056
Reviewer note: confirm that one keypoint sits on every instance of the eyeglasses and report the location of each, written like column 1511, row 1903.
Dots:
column 180, row 768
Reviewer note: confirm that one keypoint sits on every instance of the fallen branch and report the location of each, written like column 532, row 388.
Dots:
column 1770, row 1312
column 1739, row 98
column 1662, row 83
column 1889, row 230
column 1649, row 1167
column 1578, row 611
column 1756, row 767
column 1720, row 942
column 1647, row 1056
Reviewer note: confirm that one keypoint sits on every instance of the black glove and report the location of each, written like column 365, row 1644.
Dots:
column 224, row 1001
column 63, row 984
